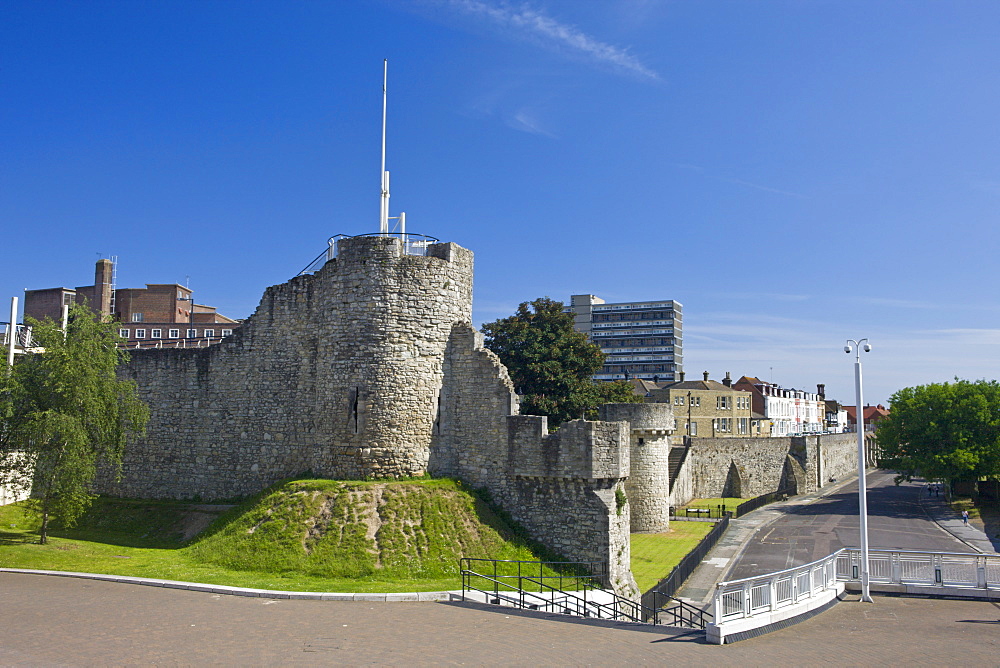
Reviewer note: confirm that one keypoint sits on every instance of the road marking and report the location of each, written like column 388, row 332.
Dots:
column 718, row 562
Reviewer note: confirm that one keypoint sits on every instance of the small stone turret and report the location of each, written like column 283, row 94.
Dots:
column 648, row 484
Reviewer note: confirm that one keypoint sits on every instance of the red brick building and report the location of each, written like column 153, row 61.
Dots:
column 161, row 314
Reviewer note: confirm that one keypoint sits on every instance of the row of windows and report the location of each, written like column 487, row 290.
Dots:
column 721, row 426
column 617, row 317
column 623, row 307
column 636, row 368
column 171, row 333
column 619, row 343
column 634, row 332
column 695, row 401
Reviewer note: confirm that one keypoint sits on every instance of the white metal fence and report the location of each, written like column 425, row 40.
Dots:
column 752, row 603
column 740, row 599
column 947, row 570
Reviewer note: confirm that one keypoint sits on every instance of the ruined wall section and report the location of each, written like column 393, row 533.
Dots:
column 565, row 488
column 338, row 373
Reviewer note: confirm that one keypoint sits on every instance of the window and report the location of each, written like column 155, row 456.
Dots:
column 192, row 333
column 136, row 317
column 227, row 332
column 209, row 332
column 156, row 334
column 721, row 424
column 743, row 426
column 174, row 334
column 693, row 429
column 723, row 403
column 140, row 333
column 696, row 402
column 123, row 333
column 678, row 401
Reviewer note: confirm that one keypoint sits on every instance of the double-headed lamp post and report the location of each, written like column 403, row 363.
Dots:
column 859, row 414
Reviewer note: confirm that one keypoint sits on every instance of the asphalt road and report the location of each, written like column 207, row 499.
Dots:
column 807, row 533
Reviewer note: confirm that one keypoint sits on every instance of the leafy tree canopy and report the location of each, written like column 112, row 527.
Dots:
column 551, row 364
column 65, row 410
column 943, row 431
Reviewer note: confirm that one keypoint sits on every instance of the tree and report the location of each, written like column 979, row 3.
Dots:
column 64, row 412
column 943, row 431
column 551, row 364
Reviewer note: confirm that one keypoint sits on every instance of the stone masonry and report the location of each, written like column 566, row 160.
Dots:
column 370, row 368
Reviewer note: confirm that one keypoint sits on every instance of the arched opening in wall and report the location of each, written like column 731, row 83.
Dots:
column 734, row 482
column 792, row 476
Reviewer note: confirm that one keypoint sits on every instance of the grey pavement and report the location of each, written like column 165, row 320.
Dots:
column 48, row 621
column 721, row 562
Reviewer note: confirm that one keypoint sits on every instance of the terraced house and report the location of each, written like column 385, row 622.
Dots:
column 708, row 408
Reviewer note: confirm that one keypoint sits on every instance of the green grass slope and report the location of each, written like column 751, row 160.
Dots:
column 408, row 530
column 307, row 535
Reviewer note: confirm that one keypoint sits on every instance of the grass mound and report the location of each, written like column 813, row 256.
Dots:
column 415, row 529
column 304, row 535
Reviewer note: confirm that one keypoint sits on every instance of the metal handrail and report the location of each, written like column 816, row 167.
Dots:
column 562, row 599
column 413, row 244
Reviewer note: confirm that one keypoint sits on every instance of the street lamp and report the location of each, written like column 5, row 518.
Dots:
column 859, row 423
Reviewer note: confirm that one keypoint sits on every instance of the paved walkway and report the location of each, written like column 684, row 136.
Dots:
column 50, row 621
column 717, row 565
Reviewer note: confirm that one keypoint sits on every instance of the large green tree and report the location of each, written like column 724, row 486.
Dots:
column 65, row 412
column 943, row 431
column 551, row 364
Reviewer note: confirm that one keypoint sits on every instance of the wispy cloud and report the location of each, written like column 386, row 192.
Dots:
column 740, row 182
column 525, row 120
column 526, row 22
column 898, row 303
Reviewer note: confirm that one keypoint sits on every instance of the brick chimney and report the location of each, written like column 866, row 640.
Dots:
column 682, row 376
column 102, row 287
column 821, row 390
column 728, row 380
column 706, row 374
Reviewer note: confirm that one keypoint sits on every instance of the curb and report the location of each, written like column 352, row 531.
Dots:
column 245, row 591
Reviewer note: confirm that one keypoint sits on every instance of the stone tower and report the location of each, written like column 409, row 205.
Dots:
column 648, row 484
column 338, row 373
column 389, row 316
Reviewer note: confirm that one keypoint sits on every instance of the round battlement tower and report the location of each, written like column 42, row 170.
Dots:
column 386, row 307
column 648, row 483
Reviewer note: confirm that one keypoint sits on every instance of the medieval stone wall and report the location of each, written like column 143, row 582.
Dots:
column 338, row 373
column 749, row 467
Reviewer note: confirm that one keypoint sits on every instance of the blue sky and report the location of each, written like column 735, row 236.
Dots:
column 795, row 173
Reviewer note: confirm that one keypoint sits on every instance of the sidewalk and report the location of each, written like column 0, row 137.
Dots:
column 941, row 513
column 700, row 587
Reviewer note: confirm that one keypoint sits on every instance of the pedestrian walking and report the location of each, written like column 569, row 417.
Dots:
column 965, row 517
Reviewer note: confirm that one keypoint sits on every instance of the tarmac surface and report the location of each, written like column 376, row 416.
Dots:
column 46, row 620
column 49, row 621
column 811, row 526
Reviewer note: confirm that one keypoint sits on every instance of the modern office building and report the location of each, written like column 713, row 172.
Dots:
column 641, row 339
